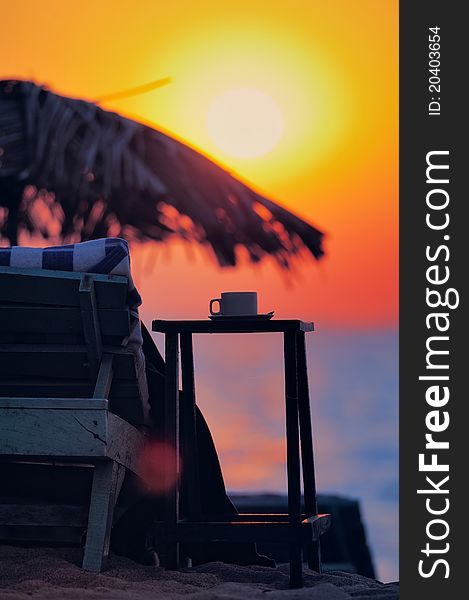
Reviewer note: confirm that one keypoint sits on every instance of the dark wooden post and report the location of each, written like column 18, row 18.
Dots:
column 172, row 440
column 293, row 458
column 91, row 328
column 190, row 458
column 307, row 451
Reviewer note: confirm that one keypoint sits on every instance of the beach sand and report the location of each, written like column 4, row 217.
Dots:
column 55, row 574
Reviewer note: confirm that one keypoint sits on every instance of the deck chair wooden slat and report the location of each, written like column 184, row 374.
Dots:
column 63, row 403
column 16, row 388
column 45, row 319
column 78, row 427
column 63, row 361
column 59, row 288
column 48, row 516
column 124, row 396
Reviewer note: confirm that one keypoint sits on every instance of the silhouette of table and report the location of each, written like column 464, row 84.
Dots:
column 295, row 528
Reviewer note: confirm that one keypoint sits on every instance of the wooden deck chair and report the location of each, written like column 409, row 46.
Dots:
column 70, row 395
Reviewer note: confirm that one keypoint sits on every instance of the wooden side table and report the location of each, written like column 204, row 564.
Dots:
column 297, row 529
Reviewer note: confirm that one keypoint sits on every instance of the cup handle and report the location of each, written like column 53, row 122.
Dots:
column 212, row 302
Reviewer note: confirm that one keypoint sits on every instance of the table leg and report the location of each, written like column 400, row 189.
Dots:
column 171, row 432
column 307, row 452
column 293, row 457
column 188, row 435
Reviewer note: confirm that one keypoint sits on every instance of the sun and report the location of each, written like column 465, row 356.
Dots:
column 245, row 123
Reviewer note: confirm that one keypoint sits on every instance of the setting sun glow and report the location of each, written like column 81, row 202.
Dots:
column 298, row 99
column 245, row 122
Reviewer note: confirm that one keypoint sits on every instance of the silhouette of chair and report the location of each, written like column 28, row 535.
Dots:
column 70, row 396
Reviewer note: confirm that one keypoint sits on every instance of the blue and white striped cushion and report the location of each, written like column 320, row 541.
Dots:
column 109, row 256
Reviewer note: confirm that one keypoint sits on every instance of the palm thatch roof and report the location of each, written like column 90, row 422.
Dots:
column 74, row 171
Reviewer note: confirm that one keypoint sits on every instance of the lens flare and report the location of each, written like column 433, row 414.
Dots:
column 158, row 467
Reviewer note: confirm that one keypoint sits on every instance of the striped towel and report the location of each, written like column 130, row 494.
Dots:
column 109, row 256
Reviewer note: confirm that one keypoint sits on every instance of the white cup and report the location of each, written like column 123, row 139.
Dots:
column 233, row 304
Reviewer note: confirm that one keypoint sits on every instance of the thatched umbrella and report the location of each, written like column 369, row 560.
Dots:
column 72, row 171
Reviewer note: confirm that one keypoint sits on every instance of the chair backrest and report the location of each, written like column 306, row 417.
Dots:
column 55, row 327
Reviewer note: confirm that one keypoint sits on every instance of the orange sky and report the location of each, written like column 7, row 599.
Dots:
column 331, row 68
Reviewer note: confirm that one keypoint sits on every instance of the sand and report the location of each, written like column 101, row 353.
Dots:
column 55, row 574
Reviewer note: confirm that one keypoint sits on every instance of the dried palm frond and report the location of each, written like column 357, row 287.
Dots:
column 70, row 169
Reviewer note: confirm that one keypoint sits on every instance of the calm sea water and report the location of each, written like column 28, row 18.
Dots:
column 354, row 399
